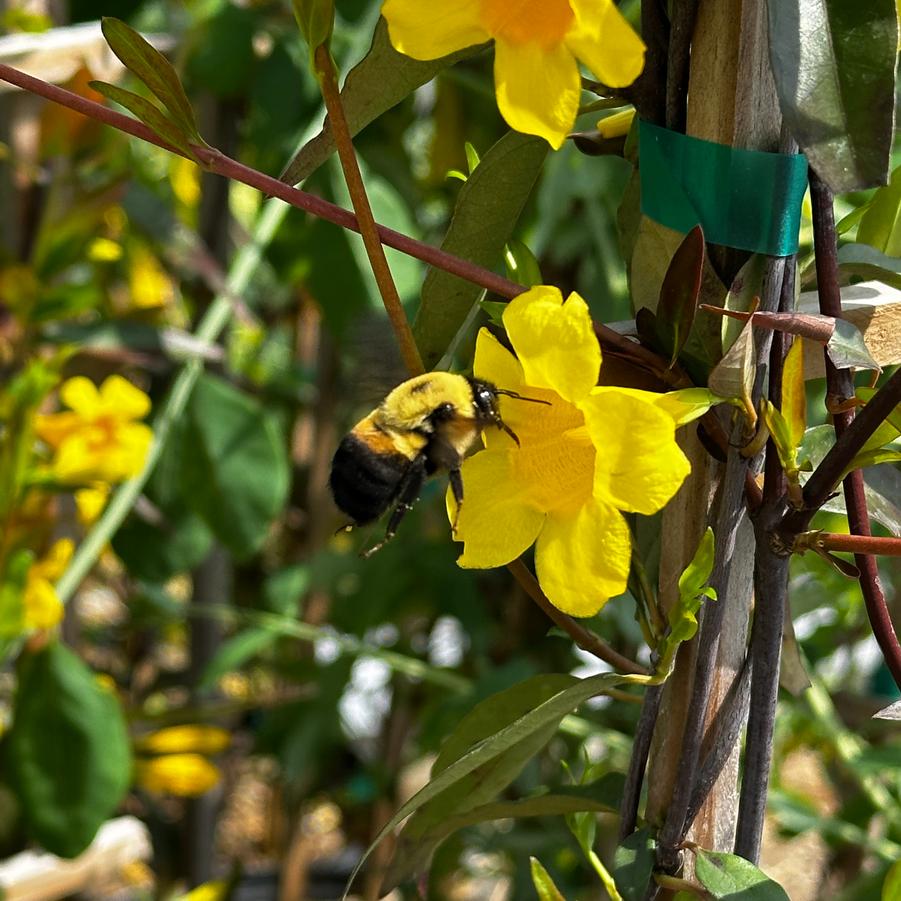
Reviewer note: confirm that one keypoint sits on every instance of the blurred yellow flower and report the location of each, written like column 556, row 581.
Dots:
column 148, row 283
column 182, row 775
column 100, row 440
column 41, row 604
column 207, row 891
column 90, row 502
column 182, row 739
column 537, row 48
column 590, row 455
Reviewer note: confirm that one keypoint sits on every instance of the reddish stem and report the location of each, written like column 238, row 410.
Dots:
column 860, row 544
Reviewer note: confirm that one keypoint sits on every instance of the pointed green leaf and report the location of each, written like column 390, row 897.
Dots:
column 733, row 376
column 869, row 263
column 846, row 348
column 873, row 458
column 68, row 752
column 543, row 883
column 731, row 876
column 235, row 468
column 834, row 67
column 781, row 433
column 315, row 19
column 743, row 295
column 523, row 729
column 522, row 266
column 485, row 215
column 880, row 224
column 154, row 70
column 377, row 83
column 152, row 116
column 679, row 293
column 633, row 865
column 891, row 888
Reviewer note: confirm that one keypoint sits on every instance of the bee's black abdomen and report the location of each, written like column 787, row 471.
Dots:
column 363, row 482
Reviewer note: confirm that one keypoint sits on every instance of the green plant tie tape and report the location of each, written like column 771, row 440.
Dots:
column 741, row 198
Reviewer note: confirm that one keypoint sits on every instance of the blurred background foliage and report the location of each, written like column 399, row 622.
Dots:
column 318, row 686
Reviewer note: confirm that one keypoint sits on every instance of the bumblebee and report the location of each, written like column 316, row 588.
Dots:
column 425, row 425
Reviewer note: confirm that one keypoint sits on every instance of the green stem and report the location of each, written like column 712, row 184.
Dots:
column 211, row 326
column 605, row 876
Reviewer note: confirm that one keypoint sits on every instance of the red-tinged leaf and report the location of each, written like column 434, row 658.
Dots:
column 152, row 116
column 154, row 70
column 794, row 396
column 679, row 293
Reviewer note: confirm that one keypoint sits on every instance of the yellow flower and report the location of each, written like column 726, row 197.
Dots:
column 100, row 440
column 184, row 739
column 42, row 606
column 592, row 453
column 90, row 502
column 182, row 775
column 537, row 48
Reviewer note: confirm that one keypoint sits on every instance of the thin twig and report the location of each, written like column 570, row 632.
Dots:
column 328, row 82
column 859, row 544
column 839, row 383
column 638, row 760
column 316, row 206
column 684, row 14
column 584, row 638
column 728, row 517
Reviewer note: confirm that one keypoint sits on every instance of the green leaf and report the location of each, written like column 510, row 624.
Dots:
column 316, row 19
column 846, row 348
column 423, row 832
column 744, row 293
column 523, row 729
column 235, row 470
column 68, row 750
column 156, row 551
column 679, row 294
column 543, row 883
column 377, row 83
column 152, row 116
column 411, row 856
column 880, row 224
column 869, row 263
column 487, row 209
column 731, row 876
column 495, row 310
column 834, row 67
column 154, row 70
column 781, row 433
column 521, row 264
column 235, row 652
column 891, row 888
column 633, row 865
column 873, row 458
column 12, row 593
column 733, row 376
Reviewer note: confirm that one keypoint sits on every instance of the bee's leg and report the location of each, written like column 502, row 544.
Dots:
column 456, row 483
column 407, row 494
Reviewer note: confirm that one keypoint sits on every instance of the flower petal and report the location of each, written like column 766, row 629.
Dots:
column 431, row 30
column 80, row 394
column 122, row 399
column 639, row 466
column 602, row 39
column 538, row 89
column 54, row 428
column 555, row 341
column 684, row 405
column 495, row 524
column 42, row 607
column 54, row 564
column 495, row 363
column 582, row 561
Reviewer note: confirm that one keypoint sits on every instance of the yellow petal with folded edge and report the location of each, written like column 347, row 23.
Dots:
column 42, row 607
column 495, row 363
column 684, row 405
column 53, row 428
column 80, row 394
column 496, row 524
column 555, row 341
column 582, row 561
column 122, row 399
column 602, row 39
column 538, row 89
column 431, row 30
column 639, row 466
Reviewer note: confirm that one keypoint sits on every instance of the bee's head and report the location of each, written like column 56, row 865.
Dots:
column 484, row 398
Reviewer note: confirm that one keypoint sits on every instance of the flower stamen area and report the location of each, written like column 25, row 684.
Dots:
column 519, row 22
